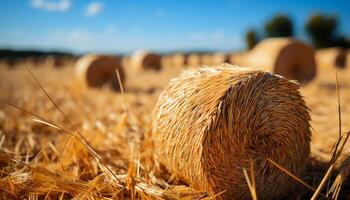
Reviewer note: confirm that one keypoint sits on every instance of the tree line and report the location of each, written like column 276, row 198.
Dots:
column 322, row 30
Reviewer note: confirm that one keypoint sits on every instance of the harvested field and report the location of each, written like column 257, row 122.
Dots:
column 101, row 148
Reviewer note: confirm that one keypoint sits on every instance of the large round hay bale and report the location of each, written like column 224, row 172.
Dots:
column 209, row 123
column 99, row 70
column 284, row 56
column 144, row 60
column 194, row 60
column 331, row 58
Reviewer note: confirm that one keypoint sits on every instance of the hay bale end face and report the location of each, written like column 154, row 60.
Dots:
column 99, row 70
column 284, row 56
column 144, row 60
column 209, row 123
column 331, row 57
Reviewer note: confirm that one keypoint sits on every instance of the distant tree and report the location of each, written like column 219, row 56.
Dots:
column 342, row 41
column 322, row 29
column 279, row 26
column 251, row 39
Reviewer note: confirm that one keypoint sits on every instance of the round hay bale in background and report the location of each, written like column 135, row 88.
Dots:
column 347, row 59
column 194, row 60
column 209, row 123
column 11, row 62
column 36, row 61
column 284, row 56
column 126, row 62
column 179, row 60
column 145, row 60
column 207, row 59
column 220, row 58
column 69, row 60
column 99, row 70
column 54, row 61
column 167, row 60
column 331, row 57
column 238, row 58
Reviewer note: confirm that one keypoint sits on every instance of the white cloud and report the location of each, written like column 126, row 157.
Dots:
column 93, row 9
column 51, row 5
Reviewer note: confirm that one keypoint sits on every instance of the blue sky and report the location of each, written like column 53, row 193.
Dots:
column 161, row 25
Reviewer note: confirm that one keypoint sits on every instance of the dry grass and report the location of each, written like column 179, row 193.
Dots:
column 47, row 158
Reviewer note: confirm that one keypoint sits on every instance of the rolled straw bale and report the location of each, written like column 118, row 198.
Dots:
column 126, row 62
column 11, row 62
column 54, row 61
column 3, row 63
column 145, row 60
column 331, row 57
column 209, row 123
column 194, row 60
column 36, row 61
column 179, row 60
column 347, row 59
column 167, row 60
column 238, row 58
column 284, row 56
column 69, row 60
column 220, row 58
column 207, row 59
column 99, row 70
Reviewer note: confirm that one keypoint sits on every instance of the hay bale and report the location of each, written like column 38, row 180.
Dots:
column 210, row 122
column 144, row 60
column 194, row 60
column 179, row 60
column 54, row 61
column 36, row 61
column 167, row 60
column 207, row 59
column 238, row 58
column 347, row 59
column 11, row 62
column 126, row 62
column 69, row 60
column 99, row 70
column 220, row 58
column 284, row 56
column 331, row 57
